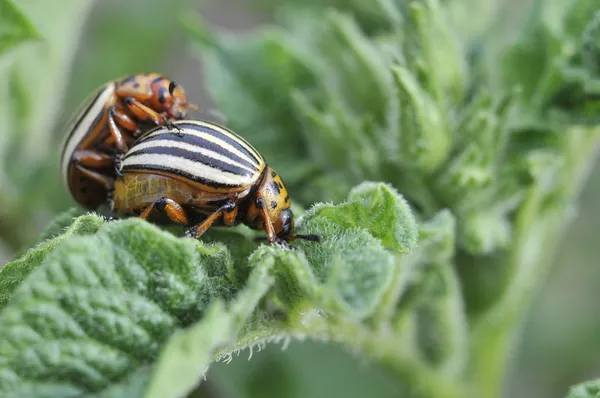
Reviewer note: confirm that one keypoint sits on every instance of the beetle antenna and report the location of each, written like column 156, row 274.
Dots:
column 312, row 238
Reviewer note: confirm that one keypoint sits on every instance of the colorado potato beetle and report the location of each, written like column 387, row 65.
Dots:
column 107, row 122
column 205, row 175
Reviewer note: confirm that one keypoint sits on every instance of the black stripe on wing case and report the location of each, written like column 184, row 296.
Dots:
column 201, row 143
column 193, row 156
column 217, row 134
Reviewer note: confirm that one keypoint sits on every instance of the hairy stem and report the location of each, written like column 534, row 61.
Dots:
column 538, row 233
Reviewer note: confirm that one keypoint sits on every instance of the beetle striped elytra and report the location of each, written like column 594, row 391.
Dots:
column 107, row 122
column 206, row 175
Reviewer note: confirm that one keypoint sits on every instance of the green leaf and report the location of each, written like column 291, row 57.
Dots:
column 590, row 43
column 132, row 385
column 431, row 43
column 423, row 136
column 15, row 27
column 380, row 209
column 438, row 237
column 188, row 353
column 485, row 232
column 443, row 327
column 589, row 389
column 101, row 307
column 351, row 234
column 13, row 273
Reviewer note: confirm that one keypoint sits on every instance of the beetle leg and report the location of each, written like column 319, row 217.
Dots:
column 115, row 132
column 143, row 112
column 110, row 200
column 271, row 235
column 101, row 179
column 228, row 211
column 229, row 216
column 169, row 207
column 125, row 121
column 117, row 159
column 93, row 159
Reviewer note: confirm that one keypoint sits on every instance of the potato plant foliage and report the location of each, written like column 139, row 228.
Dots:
column 438, row 162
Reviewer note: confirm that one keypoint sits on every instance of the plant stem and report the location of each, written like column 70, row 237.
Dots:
column 537, row 233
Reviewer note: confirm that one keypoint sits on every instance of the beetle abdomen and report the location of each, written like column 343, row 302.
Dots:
column 203, row 153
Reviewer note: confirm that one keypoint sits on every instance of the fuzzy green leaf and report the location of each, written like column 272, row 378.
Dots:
column 13, row 273
column 102, row 306
column 380, row 209
column 420, row 125
column 431, row 43
column 349, row 234
column 188, row 353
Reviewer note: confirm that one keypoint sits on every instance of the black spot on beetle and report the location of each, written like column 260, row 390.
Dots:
column 136, row 85
column 83, row 179
column 275, row 188
column 260, row 203
column 83, row 190
column 273, row 204
column 128, row 79
column 287, row 198
column 162, row 95
column 273, row 174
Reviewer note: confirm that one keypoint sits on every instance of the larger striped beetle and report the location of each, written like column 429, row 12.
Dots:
column 205, row 175
column 103, row 127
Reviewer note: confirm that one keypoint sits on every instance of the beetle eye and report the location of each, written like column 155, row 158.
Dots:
column 172, row 87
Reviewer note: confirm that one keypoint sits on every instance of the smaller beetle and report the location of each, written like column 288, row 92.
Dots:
column 107, row 122
column 206, row 175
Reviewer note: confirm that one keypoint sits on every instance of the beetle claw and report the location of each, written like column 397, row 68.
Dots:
column 172, row 126
column 111, row 218
column 284, row 243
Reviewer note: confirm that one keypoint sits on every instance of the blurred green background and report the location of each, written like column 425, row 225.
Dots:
column 559, row 343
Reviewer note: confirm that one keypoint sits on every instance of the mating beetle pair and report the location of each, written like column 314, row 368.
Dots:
column 129, row 147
